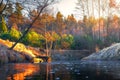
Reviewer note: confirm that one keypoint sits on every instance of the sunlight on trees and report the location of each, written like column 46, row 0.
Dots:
column 3, row 27
column 99, row 25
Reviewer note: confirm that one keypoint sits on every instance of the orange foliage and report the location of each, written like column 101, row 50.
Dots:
column 44, row 20
column 65, row 44
column 112, row 3
column 71, row 18
column 28, row 69
column 51, row 36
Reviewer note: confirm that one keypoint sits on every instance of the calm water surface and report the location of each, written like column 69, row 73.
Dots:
column 62, row 70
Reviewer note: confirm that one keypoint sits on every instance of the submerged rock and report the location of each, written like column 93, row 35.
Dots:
column 109, row 53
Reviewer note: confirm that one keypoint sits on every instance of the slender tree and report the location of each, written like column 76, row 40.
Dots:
column 3, row 27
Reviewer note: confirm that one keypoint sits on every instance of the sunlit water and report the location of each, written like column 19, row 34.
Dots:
column 62, row 70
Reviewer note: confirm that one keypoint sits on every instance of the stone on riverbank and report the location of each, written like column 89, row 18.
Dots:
column 109, row 53
column 20, row 53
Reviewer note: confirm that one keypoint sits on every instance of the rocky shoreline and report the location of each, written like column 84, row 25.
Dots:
column 20, row 53
column 109, row 53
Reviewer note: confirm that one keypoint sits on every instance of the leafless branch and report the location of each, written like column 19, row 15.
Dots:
column 3, row 7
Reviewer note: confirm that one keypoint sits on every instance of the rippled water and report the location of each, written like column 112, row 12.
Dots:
column 62, row 70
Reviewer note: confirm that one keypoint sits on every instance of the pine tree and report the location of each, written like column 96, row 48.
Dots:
column 3, row 27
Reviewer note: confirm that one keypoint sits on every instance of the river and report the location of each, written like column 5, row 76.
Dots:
column 62, row 70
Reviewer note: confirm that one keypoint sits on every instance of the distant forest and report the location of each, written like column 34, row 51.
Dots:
column 59, row 32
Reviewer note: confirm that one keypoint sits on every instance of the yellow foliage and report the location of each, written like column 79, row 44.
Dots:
column 19, row 47
column 37, row 60
column 51, row 36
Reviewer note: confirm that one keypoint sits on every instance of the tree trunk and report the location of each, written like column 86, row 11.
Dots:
column 28, row 28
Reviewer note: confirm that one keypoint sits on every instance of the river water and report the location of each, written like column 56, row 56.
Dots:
column 62, row 70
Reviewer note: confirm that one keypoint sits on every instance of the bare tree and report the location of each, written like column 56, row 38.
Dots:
column 99, row 8
column 3, row 6
column 81, row 7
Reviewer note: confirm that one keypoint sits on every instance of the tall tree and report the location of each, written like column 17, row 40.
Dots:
column 99, row 12
column 3, row 27
column 17, row 16
column 41, row 6
column 71, row 23
column 59, row 23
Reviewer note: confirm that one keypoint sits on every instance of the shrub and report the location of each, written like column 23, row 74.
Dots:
column 34, row 39
column 66, row 41
column 15, row 34
column 12, row 35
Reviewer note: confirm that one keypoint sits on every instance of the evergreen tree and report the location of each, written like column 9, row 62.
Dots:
column 3, row 27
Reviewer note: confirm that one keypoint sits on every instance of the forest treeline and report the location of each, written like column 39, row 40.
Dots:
column 59, row 32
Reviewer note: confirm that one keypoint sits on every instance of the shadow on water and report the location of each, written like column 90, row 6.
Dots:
column 62, row 70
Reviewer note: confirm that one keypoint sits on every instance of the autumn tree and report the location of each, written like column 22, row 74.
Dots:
column 71, row 23
column 59, row 22
column 17, row 16
column 32, row 38
column 41, row 5
column 43, row 23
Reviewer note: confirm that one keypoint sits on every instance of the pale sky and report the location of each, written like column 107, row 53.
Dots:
column 67, row 7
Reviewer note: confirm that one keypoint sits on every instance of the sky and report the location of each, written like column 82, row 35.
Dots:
column 66, row 7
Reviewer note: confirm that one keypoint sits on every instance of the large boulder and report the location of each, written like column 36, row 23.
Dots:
column 7, row 55
column 109, row 53
column 20, row 53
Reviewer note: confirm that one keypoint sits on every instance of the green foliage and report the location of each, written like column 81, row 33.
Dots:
column 34, row 39
column 66, row 41
column 12, row 35
column 5, row 36
column 78, row 43
column 83, row 42
column 68, row 38
column 101, row 44
column 88, row 41
column 15, row 34
column 3, row 27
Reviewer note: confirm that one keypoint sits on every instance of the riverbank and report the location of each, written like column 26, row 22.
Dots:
column 109, row 53
column 20, row 53
column 68, row 55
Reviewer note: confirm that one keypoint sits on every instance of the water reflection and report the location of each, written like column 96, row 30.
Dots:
column 74, row 70
column 19, row 71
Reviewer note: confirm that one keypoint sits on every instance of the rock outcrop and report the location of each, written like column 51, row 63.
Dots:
column 109, row 53
column 20, row 53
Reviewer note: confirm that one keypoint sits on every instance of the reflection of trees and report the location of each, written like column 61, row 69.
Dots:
column 61, row 74
column 28, row 69
column 44, row 71
column 49, row 74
